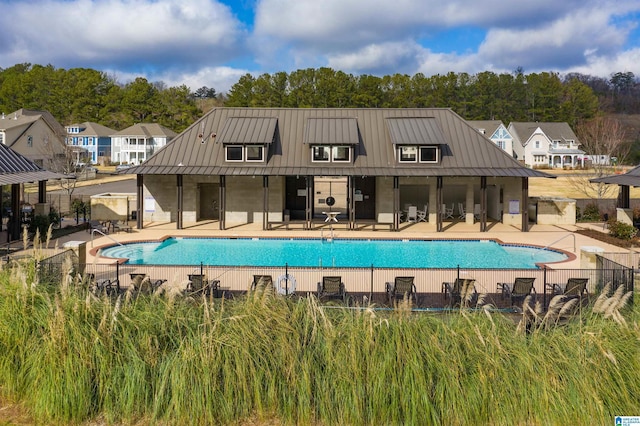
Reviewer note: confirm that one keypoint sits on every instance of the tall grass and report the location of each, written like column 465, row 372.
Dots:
column 71, row 357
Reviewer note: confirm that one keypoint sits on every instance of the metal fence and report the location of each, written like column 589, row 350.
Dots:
column 368, row 284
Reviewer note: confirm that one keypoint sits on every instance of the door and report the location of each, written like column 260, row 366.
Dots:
column 364, row 197
column 209, row 201
column 296, row 197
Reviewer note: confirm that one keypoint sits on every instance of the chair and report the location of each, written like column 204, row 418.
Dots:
column 199, row 284
column 446, row 211
column 117, row 226
column 412, row 214
column 106, row 286
column 95, row 224
column 476, row 211
column 332, row 288
column 462, row 289
column 422, row 214
column 517, row 291
column 265, row 281
column 461, row 210
column 575, row 288
column 400, row 287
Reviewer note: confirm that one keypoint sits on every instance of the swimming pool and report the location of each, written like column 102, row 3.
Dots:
column 333, row 253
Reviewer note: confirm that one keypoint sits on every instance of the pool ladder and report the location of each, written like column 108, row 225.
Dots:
column 328, row 238
column 562, row 238
column 93, row 231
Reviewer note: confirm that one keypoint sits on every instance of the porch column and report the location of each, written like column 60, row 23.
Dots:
column 265, row 202
column 483, row 204
column 396, row 203
column 623, row 199
column 468, row 217
column 139, row 201
column 13, row 226
column 42, row 191
column 525, row 204
column 351, row 205
column 223, row 202
column 309, row 206
column 439, row 201
column 180, row 201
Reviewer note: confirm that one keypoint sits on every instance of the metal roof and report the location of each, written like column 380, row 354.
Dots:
column 15, row 168
column 331, row 131
column 415, row 131
column 464, row 151
column 631, row 178
column 247, row 130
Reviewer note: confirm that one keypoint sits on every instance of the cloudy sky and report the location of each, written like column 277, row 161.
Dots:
column 214, row 42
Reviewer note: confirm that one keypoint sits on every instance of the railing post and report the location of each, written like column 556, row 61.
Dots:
column 371, row 289
column 544, row 283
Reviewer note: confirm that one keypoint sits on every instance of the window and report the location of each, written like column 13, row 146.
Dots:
column 29, row 140
column 428, row 154
column 423, row 154
column 502, row 145
column 341, row 154
column 234, row 153
column 537, row 144
column 254, row 153
column 408, row 154
column 321, row 153
column 1, row 137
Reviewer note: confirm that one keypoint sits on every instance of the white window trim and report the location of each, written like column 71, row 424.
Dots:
column 401, row 160
column 436, row 161
column 246, row 156
column 333, row 154
column 226, row 154
column 313, row 159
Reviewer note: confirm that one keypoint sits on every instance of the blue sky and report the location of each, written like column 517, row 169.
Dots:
column 214, row 42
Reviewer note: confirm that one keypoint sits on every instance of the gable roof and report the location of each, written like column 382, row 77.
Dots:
column 26, row 117
column 15, row 168
column 489, row 126
column 554, row 131
column 464, row 151
column 90, row 128
column 148, row 130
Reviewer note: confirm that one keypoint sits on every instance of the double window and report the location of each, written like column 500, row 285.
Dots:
column 334, row 153
column 415, row 154
column 249, row 153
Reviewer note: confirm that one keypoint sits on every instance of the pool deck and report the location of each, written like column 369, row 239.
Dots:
column 559, row 237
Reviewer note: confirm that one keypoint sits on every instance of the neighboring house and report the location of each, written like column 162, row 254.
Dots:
column 244, row 165
column 90, row 141
column 36, row 135
column 546, row 145
column 496, row 131
column 135, row 144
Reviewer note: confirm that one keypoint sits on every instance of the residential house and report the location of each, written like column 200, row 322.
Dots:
column 244, row 165
column 496, row 131
column 137, row 143
column 544, row 145
column 37, row 136
column 92, row 139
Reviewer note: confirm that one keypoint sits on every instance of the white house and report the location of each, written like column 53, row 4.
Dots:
column 546, row 144
column 135, row 144
column 496, row 131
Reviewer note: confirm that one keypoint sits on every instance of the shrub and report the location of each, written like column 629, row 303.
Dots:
column 621, row 230
column 591, row 213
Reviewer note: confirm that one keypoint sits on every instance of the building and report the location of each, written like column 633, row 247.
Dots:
column 496, row 131
column 544, row 145
column 137, row 143
column 243, row 165
column 37, row 136
column 90, row 141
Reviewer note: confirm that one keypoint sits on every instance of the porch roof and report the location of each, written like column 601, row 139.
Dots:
column 631, row 178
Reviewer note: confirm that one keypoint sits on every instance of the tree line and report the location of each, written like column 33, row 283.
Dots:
column 80, row 94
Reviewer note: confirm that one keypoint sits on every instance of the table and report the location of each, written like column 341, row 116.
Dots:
column 331, row 216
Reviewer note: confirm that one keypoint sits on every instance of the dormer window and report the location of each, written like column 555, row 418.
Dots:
column 331, row 154
column 415, row 154
column 246, row 139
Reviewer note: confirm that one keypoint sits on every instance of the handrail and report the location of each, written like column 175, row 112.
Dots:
column 104, row 235
column 562, row 238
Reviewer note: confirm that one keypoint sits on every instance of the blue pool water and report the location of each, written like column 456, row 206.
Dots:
column 338, row 253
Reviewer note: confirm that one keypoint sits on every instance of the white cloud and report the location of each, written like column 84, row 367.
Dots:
column 118, row 32
column 219, row 78
column 386, row 58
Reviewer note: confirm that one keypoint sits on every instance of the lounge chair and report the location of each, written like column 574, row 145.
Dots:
column 199, row 284
column 332, row 288
column 102, row 286
column 95, row 224
column 461, row 291
column 265, row 281
column 518, row 290
column 117, row 226
column 462, row 213
column 400, row 287
column 447, row 212
column 412, row 214
column 575, row 288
